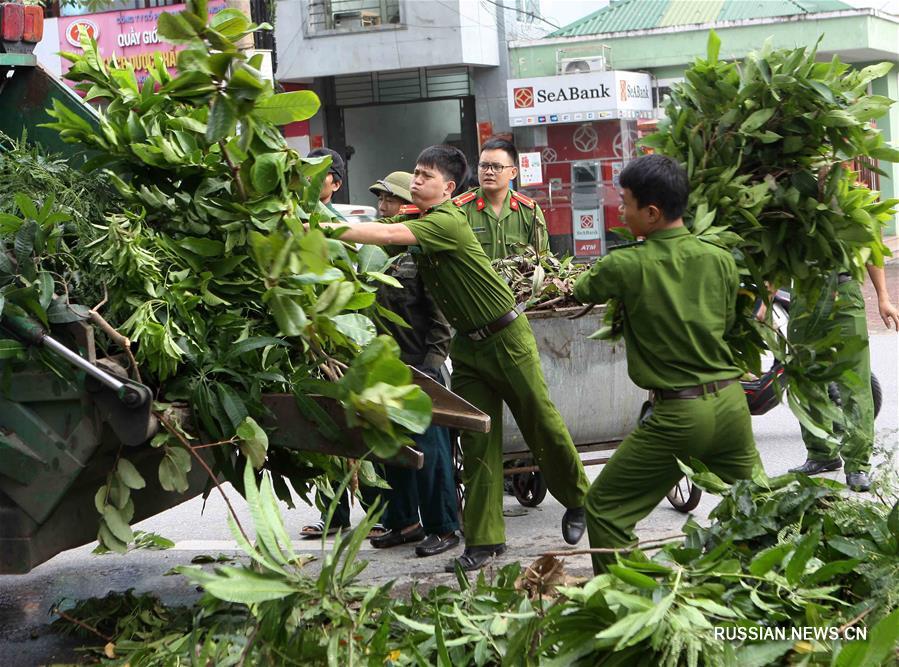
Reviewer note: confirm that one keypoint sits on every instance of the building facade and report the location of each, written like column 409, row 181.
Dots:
column 393, row 75
column 661, row 38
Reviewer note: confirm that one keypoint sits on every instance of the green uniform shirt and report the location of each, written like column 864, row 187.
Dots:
column 455, row 269
column 679, row 298
column 520, row 223
column 332, row 212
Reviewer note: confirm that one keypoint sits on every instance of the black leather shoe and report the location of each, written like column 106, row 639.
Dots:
column 436, row 544
column 858, row 481
column 574, row 523
column 811, row 467
column 393, row 538
column 474, row 558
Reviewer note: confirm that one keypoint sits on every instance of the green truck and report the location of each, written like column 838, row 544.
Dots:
column 61, row 432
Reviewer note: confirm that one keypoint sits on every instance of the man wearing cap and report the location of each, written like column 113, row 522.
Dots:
column 333, row 181
column 504, row 221
column 430, row 492
column 495, row 358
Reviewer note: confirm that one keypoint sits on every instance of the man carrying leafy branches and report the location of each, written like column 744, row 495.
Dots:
column 678, row 295
column 857, row 401
column 494, row 354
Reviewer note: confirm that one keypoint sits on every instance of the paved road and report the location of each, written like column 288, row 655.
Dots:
column 26, row 600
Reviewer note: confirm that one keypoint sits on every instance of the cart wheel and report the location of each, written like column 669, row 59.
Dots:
column 457, row 478
column 876, row 394
column 529, row 488
column 645, row 412
column 684, row 496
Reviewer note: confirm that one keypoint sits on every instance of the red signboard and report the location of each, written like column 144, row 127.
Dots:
column 128, row 35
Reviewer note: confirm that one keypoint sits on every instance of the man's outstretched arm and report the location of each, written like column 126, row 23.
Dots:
column 374, row 233
column 888, row 312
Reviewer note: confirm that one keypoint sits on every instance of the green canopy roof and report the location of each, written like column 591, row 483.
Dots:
column 647, row 14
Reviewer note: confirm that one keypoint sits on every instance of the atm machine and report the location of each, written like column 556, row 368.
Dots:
column 588, row 228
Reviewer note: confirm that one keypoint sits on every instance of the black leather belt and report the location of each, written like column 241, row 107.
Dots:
column 496, row 325
column 693, row 392
column 843, row 278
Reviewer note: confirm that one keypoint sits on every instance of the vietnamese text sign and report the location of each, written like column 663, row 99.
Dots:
column 530, row 171
column 570, row 98
column 128, row 35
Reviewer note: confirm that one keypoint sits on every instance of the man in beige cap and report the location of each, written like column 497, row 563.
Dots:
column 429, row 493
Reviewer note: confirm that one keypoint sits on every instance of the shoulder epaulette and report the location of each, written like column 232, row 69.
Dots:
column 527, row 201
column 469, row 196
column 622, row 246
column 409, row 209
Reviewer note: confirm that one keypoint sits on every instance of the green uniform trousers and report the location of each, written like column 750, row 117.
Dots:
column 858, row 401
column 506, row 368
column 715, row 428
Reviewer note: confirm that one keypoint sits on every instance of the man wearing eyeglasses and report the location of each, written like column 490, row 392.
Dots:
column 504, row 221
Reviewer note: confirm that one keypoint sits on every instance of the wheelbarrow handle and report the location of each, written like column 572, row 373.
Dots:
column 34, row 334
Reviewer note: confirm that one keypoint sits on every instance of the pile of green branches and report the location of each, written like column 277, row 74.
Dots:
column 783, row 553
column 540, row 281
column 203, row 265
column 771, row 145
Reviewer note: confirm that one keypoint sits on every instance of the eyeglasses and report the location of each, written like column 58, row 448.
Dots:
column 489, row 167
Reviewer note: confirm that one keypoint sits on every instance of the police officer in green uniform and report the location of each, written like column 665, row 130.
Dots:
column 333, row 180
column 494, row 355
column 505, row 222
column 678, row 294
column 857, row 439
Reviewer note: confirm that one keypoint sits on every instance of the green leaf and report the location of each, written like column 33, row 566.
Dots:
column 173, row 468
column 804, row 549
column 762, row 655
column 175, row 28
column 129, row 475
column 238, row 584
column 254, row 343
column 265, row 173
column 356, row 327
column 232, row 404
column 756, row 120
column 229, row 22
column 768, row 558
column 371, row 258
column 633, row 577
column 289, row 315
column 222, row 119
column 26, row 205
column 285, row 108
column 882, row 641
column 713, row 48
column 253, row 442
column 10, row 348
column 116, row 524
column 202, row 246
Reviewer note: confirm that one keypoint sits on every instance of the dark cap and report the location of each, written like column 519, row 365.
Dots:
column 338, row 166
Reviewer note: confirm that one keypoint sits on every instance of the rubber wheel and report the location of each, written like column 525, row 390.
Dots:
column 684, row 496
column 876, row 393
column 457, row 478
column 529, row 488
